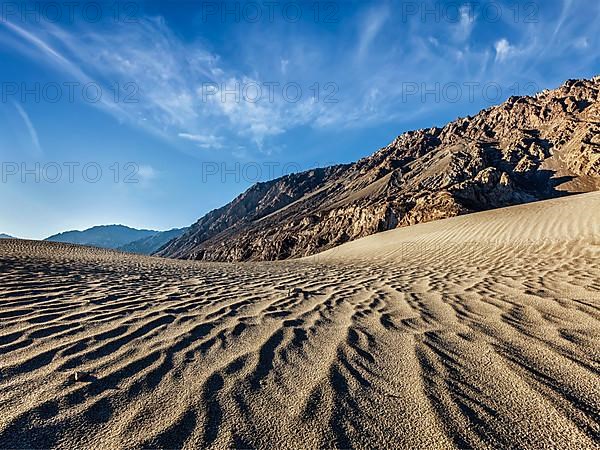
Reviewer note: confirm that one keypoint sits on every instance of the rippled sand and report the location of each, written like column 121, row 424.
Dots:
column 481, row 331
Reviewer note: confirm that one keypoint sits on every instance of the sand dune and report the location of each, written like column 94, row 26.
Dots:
column 480, row 331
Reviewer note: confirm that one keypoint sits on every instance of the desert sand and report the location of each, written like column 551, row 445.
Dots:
column 480, row 331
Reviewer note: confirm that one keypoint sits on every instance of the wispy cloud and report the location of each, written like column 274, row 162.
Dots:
column 370, row 28
column 35, row 142
column 582, row 43
column 55, row 58
column 169, row 72
column 163, row 78
column 146, row 174
column 206, row 141
column 466, row 23
column 284, row 65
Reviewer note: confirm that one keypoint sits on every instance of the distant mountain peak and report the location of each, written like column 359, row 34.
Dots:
column 106, row 227
column 119, row 237
column 104, row 236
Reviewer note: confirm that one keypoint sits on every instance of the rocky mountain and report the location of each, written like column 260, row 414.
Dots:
column 104, row 236
column 526, row 149
column 5, row 236
column 153, row 243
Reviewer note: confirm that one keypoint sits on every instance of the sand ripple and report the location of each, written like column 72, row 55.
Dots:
column 487, row 347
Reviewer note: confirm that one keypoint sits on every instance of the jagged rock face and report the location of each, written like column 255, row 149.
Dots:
column 527, row 149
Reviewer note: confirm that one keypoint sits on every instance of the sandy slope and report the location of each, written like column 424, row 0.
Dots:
column 475, row 332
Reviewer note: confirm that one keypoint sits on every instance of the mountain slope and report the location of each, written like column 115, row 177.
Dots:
column 561, row 224
column 527, row 149
column 5, row 236
column 150, row 244
column 105, row 236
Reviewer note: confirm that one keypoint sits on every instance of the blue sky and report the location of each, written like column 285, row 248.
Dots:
column 162, row 96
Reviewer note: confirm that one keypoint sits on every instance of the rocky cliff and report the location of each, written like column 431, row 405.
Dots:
column 527, row 149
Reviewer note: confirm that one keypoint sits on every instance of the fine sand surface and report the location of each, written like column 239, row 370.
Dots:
column 481, row 331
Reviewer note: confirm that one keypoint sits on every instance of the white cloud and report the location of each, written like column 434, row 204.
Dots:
column 503, row 49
